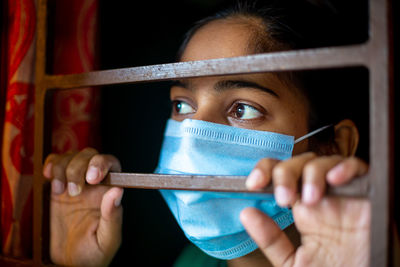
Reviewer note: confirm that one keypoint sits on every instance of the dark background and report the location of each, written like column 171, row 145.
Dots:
column 136, row 33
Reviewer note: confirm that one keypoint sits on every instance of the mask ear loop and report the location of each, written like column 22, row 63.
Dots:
column 312, row 133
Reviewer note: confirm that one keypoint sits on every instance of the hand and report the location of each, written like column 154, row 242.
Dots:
column 85, row 221
column 334, row 231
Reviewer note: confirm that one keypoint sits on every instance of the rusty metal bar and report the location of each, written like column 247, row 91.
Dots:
column 40, row 90
column 346, row 56
column 357, row 188
column 381, row 127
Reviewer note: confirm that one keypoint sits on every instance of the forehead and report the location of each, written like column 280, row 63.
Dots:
column 232, row 37
column 219, row 39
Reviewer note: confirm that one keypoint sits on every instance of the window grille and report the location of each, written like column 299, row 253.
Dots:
column 374, row 54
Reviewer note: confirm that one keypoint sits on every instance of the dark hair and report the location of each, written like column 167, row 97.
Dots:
column 299, row 24
column 294, row 24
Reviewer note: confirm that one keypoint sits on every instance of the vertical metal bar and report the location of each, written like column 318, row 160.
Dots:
column 40, row 90
column 380, row 131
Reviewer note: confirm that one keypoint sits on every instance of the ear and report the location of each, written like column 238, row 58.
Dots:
column 346, row 138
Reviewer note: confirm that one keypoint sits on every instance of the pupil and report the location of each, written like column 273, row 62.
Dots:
column 240, row 110
column 178, row 106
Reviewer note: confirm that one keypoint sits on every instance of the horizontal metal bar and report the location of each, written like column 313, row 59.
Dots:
column 345, row 56
column 357, row 188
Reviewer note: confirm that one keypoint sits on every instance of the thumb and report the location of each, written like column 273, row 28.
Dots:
column 271, row 240
column 109, row 234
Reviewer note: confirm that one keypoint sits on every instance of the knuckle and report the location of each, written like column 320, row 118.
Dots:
column 282, row 171
column 73, row 173
column 97, row 160
column 353, row 161
column 59, row 159
column 266, row 163
column 325, row 158
column 89, row 150
column 334, row 157
column 311, row 168
column 58, row 171
column 311, row 154
column 101, row 161
column 51, row 157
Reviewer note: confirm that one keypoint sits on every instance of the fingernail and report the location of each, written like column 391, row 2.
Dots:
column 309, row 194
column 254, row 179
column 117, row 201
column 47, row 170
column 57, row 187
column 282, row 195
column 335, row 172
column 74, row 189
column 92, row 174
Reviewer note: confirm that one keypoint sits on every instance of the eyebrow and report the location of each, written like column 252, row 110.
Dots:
column 228, row 84
column 237, row 84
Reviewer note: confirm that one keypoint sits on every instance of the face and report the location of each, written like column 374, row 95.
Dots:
column 253, row 101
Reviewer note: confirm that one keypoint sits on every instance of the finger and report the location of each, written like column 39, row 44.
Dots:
column 109, row 230
column 48, row 166
column 99, row 166
column 76, row 170
column 57, row 186
column 271, row 240
column 54, row 168
column 314, row 178
column 261, row 175
column 286, row 175
column 60, row 164
column 347, row 170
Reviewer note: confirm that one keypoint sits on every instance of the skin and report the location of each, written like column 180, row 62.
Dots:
column 85, row 228
column 86, row 222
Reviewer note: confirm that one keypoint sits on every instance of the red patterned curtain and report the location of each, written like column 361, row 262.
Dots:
column 75, row 44
column 75, row 31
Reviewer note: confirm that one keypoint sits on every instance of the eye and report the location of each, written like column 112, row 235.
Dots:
column 245, row 112
column 182, row 108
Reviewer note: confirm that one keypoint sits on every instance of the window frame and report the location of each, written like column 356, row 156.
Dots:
column 375, row 54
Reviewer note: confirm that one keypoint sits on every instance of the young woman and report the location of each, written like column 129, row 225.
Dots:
column 86, row 220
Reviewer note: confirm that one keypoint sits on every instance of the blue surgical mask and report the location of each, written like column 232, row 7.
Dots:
column 211, row 219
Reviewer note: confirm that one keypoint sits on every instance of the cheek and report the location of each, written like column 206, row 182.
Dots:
column 301, row 129
column 300, row 147
column 297, row 117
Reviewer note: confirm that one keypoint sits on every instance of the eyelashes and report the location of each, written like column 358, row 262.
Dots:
column 243, row 111
column 239, row 110
column 181, row 107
